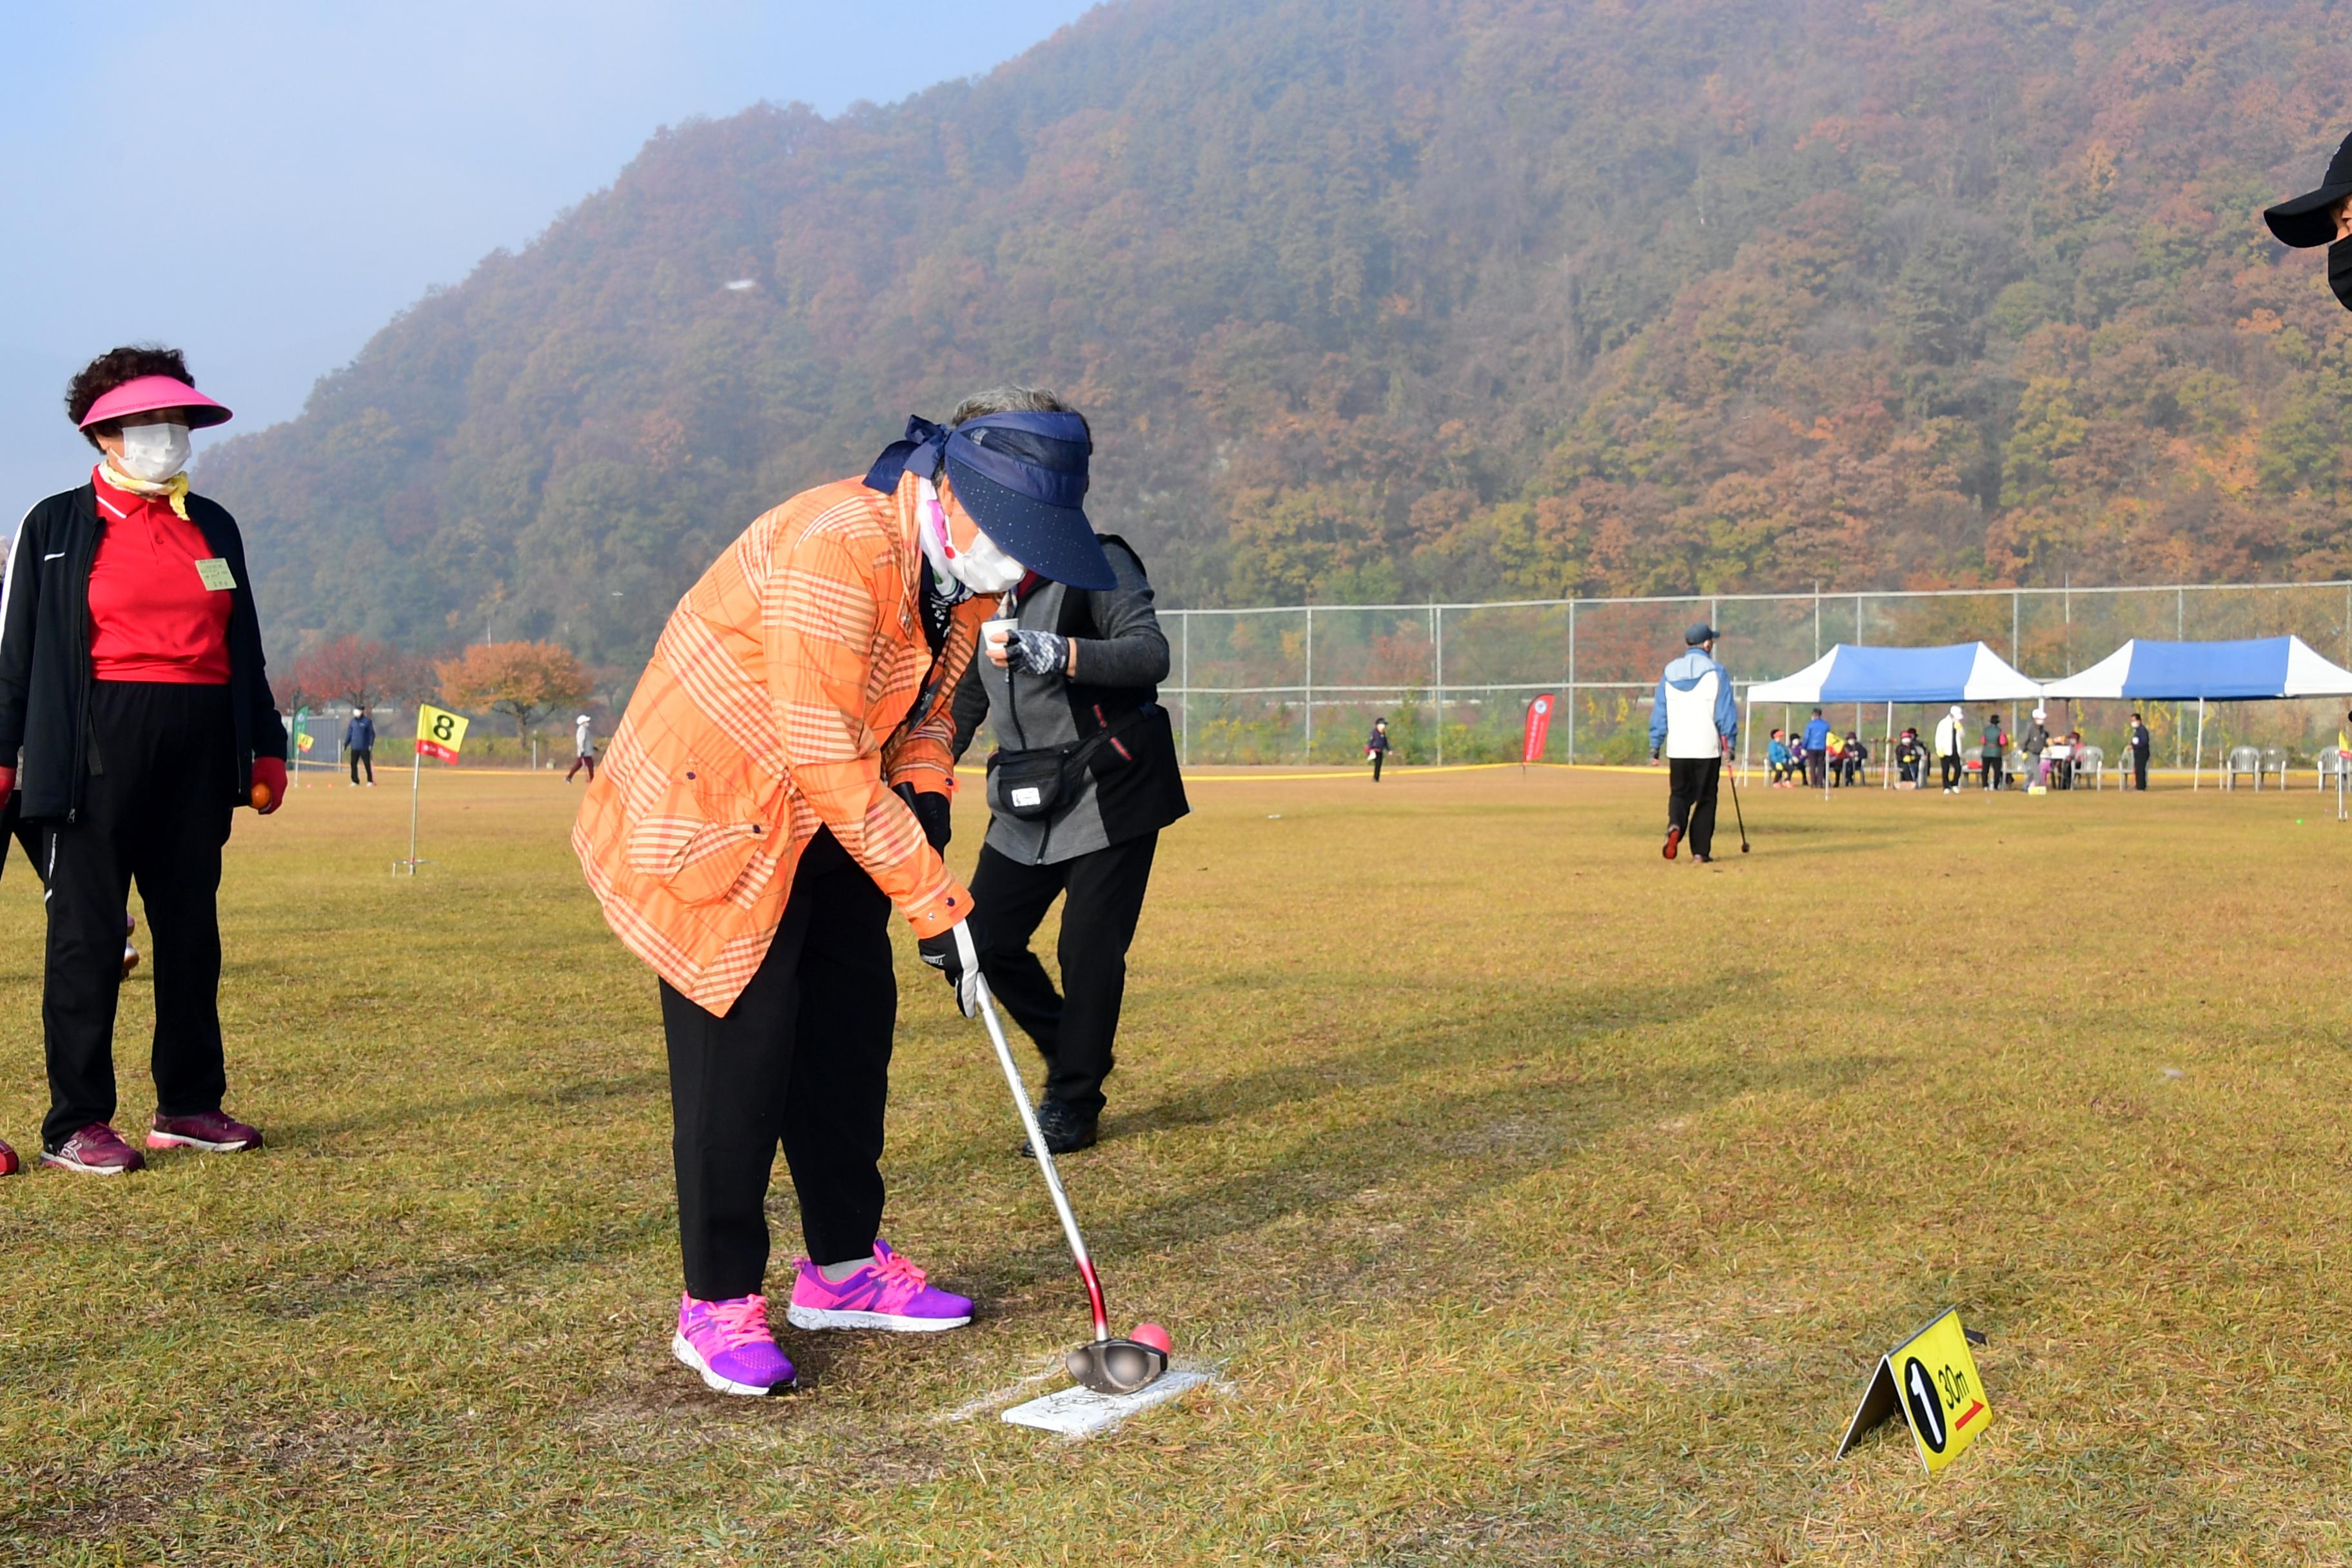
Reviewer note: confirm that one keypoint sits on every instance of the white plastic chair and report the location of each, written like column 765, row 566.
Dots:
column 2247, row 760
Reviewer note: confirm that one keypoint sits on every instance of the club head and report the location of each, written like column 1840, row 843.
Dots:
column 1116, row 1366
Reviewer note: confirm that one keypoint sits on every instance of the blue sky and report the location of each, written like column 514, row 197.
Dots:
column 263, row 183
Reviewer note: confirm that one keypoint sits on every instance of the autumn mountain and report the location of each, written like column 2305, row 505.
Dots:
column 1374, row 298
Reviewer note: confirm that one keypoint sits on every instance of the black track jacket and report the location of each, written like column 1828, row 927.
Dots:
column 45, row 675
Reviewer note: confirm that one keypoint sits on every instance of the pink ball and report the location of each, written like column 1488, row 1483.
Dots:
column 1155, row 1336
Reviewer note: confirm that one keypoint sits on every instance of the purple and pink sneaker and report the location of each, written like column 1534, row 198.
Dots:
column 888, row 1293
column 728, row 1343
column 215, row 1131
column 96, row 1150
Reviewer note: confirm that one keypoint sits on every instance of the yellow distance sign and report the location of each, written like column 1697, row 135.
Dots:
column 440, row 732
column 1932, row 1378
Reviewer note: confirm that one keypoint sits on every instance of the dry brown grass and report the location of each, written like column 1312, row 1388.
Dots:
column 1541, row 1201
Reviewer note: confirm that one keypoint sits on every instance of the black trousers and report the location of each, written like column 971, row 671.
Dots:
column 1952, row 771
column 364, row 757
column 1992, row 772
column 2139, row 769
column 1691, row 783
column 1817, row 769
column 1074, row 1028
column 803, row 1058
column 1377, row 758
column 155, row 810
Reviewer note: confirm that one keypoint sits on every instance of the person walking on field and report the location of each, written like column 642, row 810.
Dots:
column 132, row 687
column 1083, row 777
column 1376, row 746
column 358, row 740
column 1694, row 721
column 780, row 781
column 1951, row 737
column 1992, row 748
column 584, row 749
column 2139, row 746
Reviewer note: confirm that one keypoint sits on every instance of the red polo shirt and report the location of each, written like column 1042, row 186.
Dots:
column 150, row 615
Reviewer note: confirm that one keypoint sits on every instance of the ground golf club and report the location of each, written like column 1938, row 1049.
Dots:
column 1104, row 1364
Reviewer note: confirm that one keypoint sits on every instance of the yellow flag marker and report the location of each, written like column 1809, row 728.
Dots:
column 440, row 732
column 1932, row 1379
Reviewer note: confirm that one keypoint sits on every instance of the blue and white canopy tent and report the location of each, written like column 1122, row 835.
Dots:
column 1957, row 672
column 2250, row 669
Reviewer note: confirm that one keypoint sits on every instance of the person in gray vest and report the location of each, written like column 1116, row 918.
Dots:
column 1083, row 778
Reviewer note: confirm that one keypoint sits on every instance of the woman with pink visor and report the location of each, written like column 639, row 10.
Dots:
column 134, row 716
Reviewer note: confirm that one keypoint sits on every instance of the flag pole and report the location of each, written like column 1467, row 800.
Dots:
column 416, row 781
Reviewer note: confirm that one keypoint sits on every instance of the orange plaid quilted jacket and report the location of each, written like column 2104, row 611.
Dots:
column 778, row 701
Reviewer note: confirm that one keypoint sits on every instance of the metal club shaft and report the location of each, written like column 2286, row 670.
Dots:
column 1044, row 1160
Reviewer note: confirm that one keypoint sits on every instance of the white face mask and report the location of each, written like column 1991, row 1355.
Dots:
column 984, row 568
column 153, row 452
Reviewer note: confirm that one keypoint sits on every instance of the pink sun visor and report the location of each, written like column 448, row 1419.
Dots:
column 149, row 393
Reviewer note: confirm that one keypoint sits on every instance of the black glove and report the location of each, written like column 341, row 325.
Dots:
column 1036, row 653
column 952, row 954
column 933, row 811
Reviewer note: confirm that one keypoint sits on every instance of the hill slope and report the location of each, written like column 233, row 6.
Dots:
column 1369, row 298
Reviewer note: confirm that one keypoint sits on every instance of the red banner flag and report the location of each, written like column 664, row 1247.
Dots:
column 1538, row 729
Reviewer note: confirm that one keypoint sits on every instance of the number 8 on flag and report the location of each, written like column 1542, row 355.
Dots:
column 440, row 732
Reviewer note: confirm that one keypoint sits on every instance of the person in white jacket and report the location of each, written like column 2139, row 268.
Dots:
column 1951, row 737
column 1694, row 720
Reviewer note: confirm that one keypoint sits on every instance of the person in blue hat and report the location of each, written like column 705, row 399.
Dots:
column 1694, row 721
column 778, row 785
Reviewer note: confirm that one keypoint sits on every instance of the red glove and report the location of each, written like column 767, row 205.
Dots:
column 271, row 773
column 8, row 783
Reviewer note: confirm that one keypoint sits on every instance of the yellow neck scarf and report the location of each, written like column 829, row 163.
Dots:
column 177, row 487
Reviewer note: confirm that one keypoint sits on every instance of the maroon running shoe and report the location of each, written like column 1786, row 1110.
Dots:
column 215, row 1131
column 96, row 1150
column 1673, row 837
column 9, row 1164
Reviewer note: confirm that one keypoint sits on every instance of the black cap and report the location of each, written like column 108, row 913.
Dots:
column 2304, row 221
column 1700, row 632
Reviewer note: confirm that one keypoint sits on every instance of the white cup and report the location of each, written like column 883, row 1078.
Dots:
column 996, row 633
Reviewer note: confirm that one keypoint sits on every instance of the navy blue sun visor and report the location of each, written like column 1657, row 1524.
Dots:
column 1023, row 476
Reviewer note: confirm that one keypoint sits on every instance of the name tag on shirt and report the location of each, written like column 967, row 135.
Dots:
column 216, row 575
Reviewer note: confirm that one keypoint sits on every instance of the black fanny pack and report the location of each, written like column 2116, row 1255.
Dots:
column 1030, row 784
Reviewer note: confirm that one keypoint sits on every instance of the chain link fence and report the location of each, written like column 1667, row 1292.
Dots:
column 1304, row 684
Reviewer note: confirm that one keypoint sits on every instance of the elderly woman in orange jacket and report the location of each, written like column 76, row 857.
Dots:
column 780, row 781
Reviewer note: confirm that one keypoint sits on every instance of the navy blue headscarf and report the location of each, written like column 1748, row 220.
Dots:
column 1022, row 478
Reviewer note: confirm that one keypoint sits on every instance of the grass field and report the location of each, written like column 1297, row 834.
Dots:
column 1541, row 1200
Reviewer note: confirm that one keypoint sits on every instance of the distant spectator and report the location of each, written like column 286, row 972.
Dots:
column 1992, row 749
column 1817, row 751
column 1951, row 738
column 1855, row 756
column 1784, row 767
column 2074, row 758
column 2139, row 743
column 584, row 749
column 1376, row 746
column 1910, row 759
column 358, row 740
column 2036, row 747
